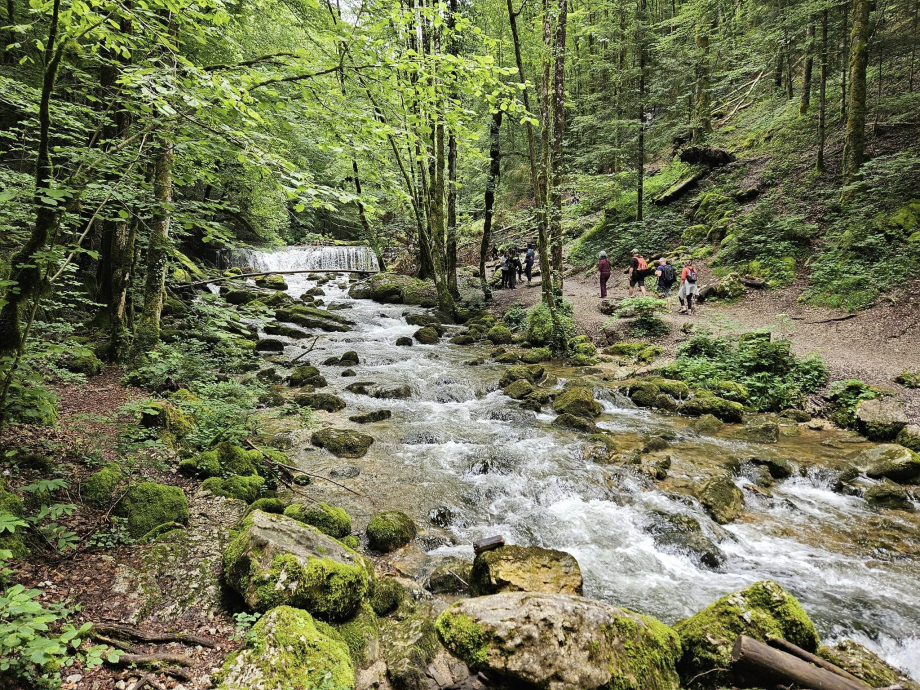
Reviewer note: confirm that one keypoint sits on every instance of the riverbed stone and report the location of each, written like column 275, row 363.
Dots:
column 516, row 373
column 525, row 569
column 331, row 520
column 360, row 387
column 272, row 281
column 536, row 355
column 853, row 658
column 390, row 530
column 147, row 505
column 321, row 401
column 369, row 417
column 287, row 648
column 462, row 340
column 404, row 341
column 499, row 335
column 708, row 424
column 880, row 419
column 887, row 494
column 892, row 461
column 761, row 611
column 343, row 443
column 779, row 468
column 678, row 533
column 578, row 401
column 703, row 403
column 910, row 437
column 571, row 421
column 392, row 393
column 311, row 317
column 721, row 498
column 561, row 642
column 426, row 336
column 275, row 560
column 762, row 430
column 519, row 389
column 452, row 576
column 307, row 375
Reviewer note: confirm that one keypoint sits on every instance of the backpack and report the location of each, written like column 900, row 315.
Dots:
column 642, row 265
column 667, row 274
column 691, row 275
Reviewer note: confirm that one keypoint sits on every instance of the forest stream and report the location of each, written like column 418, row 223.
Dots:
column 462, row 458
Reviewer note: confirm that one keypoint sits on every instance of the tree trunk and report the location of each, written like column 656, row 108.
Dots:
column 913, row 45
column 9, row 57
column 764, row 666
column 640, row 184
column 805, row 101
column 495, row 158
column 703, row 97
column 854, row 147
column 558, row 178
column 452, row 174
column 844, row 54
column 822, row 95
column 123, row 242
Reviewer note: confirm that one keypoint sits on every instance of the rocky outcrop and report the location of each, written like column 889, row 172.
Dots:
column 880, row 419
column 561, row 642
column 721, row 498
column 288, row 649
column 761, row 611
column 525, row 569
column 275, row 560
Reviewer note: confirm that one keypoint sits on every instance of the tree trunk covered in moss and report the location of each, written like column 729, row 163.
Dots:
column 805, row 101
column 854, row 146
column 640, row 183
column 822, row 95
column 557, row 178
column 452, row 170
column 495, row 158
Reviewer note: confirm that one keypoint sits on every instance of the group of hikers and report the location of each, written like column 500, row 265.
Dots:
column 664, row 272
column 511, row 267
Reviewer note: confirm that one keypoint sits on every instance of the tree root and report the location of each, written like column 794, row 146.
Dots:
column 126, row 631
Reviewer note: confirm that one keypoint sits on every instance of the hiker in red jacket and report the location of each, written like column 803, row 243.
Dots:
column 638, row 270
column 603, row 267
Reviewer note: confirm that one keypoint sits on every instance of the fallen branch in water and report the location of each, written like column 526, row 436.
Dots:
column 291, row 468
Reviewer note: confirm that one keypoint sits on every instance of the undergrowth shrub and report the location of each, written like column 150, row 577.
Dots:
column 539, row 324
column 644, row 310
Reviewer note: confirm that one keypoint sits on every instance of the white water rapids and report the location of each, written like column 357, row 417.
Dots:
column 459, row 443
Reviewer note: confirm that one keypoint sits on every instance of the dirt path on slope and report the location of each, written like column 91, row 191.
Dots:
column 875, row 345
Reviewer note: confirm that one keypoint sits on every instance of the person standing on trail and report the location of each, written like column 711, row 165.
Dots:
column 514, row 269
column 504, row 264
column 529, row 258
column 603, row 267
column 638, row 270
column 688, row 288
column 667, row 276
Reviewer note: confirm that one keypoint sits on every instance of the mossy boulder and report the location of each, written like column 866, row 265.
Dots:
column 571, row 421
column 343, row 443
column 762, row 430
column 518, row 389
column 537, row 355
column 525, row 569
column 708, row 424
column 410, row 645
column 226, row 458
column 273, row 282
column 682, row 534
column 270, row 345
column 284, row 330
column 287, row 648
column 393, row 288
column 644, row 393
column 404, row 341
column 910, row 437
column 880, row 419
column 98, row 489
column 147, row 505
column 388, row 594
column 11, row 504
column 320, row 401
column 268, row 505
column 499, row 335
column 307, row 375
column 578, row 401
column 83, row 362
column 761, row 611
column 462, row 340
column 516, row 373
column 676, row 389
column 313, row 318
column 853, row 658
column 887, row 494
column 275, row 560
column 370, row 417
column 721, row 498
column 890, row 461
column 730, row 390
column 450, row 577
column 702, row 403
column 571, row 643
column 244, row 488
column 426, row 336
column 160, row 414
column 328, row 519
column 390, row 530
column 361, row 635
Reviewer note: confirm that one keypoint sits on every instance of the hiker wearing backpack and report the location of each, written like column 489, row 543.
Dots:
column 667, row 276
column 688, row 288
column 638, row 270
column 603, row 267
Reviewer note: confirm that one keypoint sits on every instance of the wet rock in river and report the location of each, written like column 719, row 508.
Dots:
column 393, row 393
column 404, row 341
column 515, row 373
column 892, row 461
column 343, row 443
column 797, row 416
column 880, row 419
column 283, row 329
column 499, row 335
column 508, row 358
column 779, row 468
column 426, row 336
column 275, row 560
column 910, row 437
column 269, row 345
column 721, row 498
column 462, row 340
column 571, row 421
column 578, row 401
column 525, row 569
column 652, row 444
column 536, row 355
column 287, row 649
column 676, row 533
column 369, row 417
column 708, row 424
column 421, row 320
column 321, row 401
column 345, row 472
column 390, row 530
column 328, row 519
column 307, row 375
column 762, row 430
column 441, row 516
column 703, row 403
column 561, row 642
column 757, row 474
column 853, row 658
column 452, row 576
column 311, row 317
column 349, row 373
column 761, row 611
column 887, row 494
column 360, row 387
column 519, row 389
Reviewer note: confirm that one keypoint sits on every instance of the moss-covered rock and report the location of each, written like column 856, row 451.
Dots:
column 537, row 355
column 731, row 390
column 307, row 375
column 644, row 393
column 887, row 494
column 268, row 505
column 880, row 419
column 163, row 415
column 390, row 530
column 393, row 288
column 361, row 634
column 314, row 318
column 11, row 504
column 426, row 336
column 721, row 498
column 245, row 488
column 508, row 358
column 571, row 643
column 320, row 401
column 910, row 437
column 708, row 424
column 762, row 430
column 571, row 421
column 682, row 534
column 410, row 645
column 343, row 443
column 147, row 505
column 272, row 281
column 499, row 335
column 516, row 373
column 761, row 611
column 578, row 401
column 404, row 341
column 388, row 594
column 328, row 519
column 518, row 389
column 452, row 576
column 288, row 649
column 275, row 560
column 83, row 362
column 284, row 330
column 369, row 417
column 226, row 458
column 525, row 569
column 701, row 404
column 676, row 389
column 98, row 489
column 895, row 462
column 853, row 658
column 269, row 345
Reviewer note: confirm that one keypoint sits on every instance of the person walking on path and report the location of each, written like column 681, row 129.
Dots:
column 688, row 288
column 638, row 270
column 505, row 265
column 529, row 258
column 667, row 276
column 603, row 267
column 514, row 269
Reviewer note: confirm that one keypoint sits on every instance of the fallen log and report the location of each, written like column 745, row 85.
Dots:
column 153, row 659
column 120, row 630
column 488, row 544
column 676, row 191
column 760, row 665
column 710, row 155
column 755, row 283
column 795, row 650
column 273, row 273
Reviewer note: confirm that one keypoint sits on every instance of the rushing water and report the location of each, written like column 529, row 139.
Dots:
column 459, row 443
column 359, row 258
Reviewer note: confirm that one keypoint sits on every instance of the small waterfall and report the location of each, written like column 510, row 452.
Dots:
column 309, row 258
